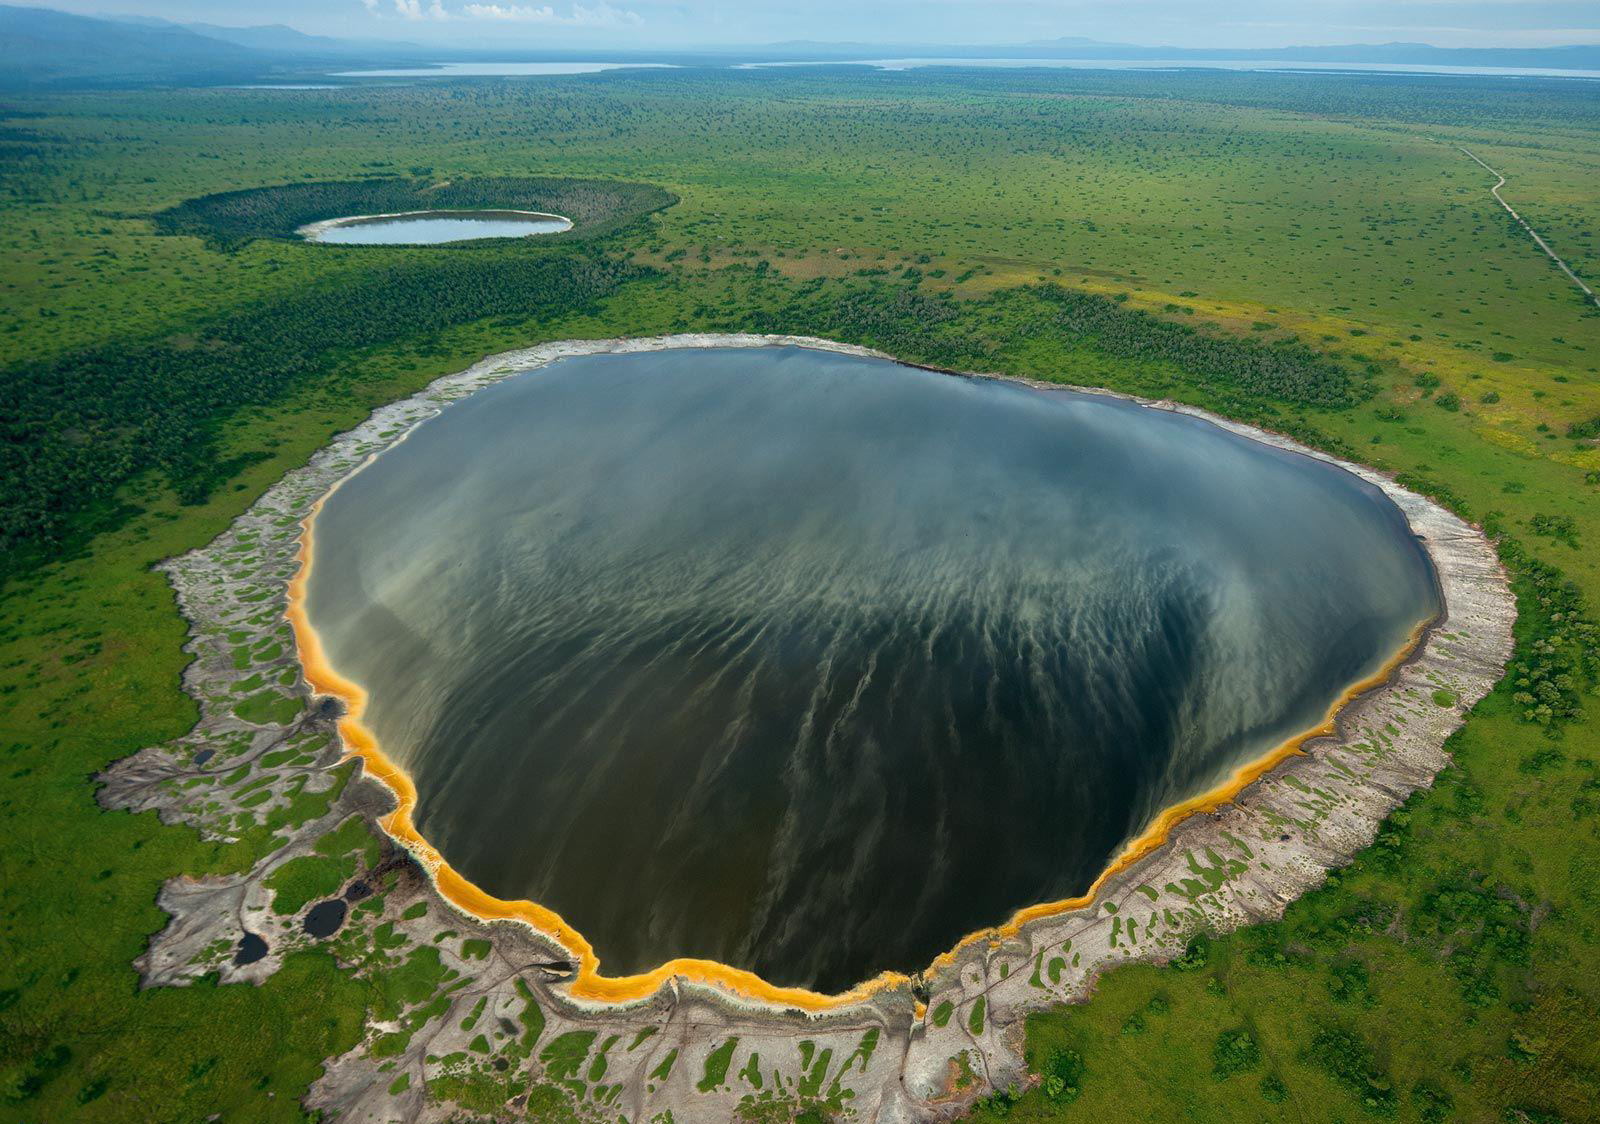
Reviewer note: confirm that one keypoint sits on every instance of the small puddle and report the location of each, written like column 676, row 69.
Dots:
column 324, row 918
column 251, row 948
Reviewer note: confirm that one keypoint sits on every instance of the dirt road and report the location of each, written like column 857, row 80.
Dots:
column 1532, row 233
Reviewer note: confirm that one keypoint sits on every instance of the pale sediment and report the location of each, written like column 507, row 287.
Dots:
column 1239, row 855
column 311, row 231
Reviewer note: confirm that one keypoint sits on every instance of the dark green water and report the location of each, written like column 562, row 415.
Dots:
column 813, row 664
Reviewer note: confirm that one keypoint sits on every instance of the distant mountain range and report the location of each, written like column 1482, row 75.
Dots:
column 279, row 38
column 41, row 47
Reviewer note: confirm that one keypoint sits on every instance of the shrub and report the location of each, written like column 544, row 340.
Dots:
column 1584, row 430
column 1195, row 954
column 1063, row 1075
column 1235, row 1051
column 1433, row 1103
column 1345, row 1057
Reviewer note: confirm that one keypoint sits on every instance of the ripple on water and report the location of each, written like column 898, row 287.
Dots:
column 813, row 664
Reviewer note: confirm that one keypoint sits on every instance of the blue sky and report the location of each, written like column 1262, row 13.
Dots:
column 647, row 23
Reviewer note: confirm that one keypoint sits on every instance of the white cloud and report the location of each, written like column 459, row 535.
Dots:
column 413, row 9
column 580, row 15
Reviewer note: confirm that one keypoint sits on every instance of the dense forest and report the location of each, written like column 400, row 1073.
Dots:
column 1243, row 373
column 1235, row 368
column 74, row 429
column 230, row 218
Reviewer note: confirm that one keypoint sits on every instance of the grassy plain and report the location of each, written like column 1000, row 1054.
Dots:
column 1448, row 975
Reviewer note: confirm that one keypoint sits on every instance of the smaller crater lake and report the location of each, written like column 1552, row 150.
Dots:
column 813, row 664
column 426, row 228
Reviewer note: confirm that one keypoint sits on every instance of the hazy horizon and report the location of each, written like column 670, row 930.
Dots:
column 642, row 24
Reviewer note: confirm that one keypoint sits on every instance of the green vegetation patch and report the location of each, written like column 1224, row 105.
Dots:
column 306, row 879
column 269, row 708
column 1235, row 1051
column 1350, row 1062
column 75, row 428
column 532, row 1016
column 1287, row 371
column 717, row 1063
column 564, row 1055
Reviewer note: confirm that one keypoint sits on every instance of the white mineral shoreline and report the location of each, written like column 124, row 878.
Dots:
column 1217, row 870
column 312, row 231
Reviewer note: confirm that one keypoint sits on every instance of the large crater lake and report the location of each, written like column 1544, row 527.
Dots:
column 813, row 664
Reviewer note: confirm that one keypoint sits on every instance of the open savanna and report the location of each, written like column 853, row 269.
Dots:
column 1449, row 974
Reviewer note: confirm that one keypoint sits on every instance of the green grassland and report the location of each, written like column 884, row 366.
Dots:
column 1312, row 253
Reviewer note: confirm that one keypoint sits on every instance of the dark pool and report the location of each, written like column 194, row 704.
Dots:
column 249, row 949
column 324, row 918
column 813, row 664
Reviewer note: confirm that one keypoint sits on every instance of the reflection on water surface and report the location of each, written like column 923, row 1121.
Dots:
column 813, row 664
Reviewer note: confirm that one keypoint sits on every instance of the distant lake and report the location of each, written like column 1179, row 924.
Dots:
column 500, row 69
column 429, row 227
column 813, row 664
column 1198, row 64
